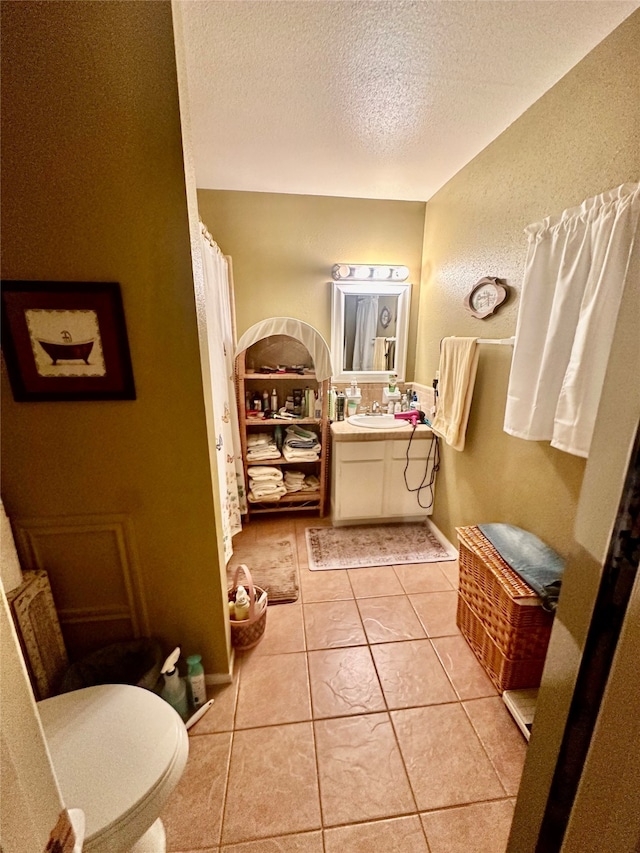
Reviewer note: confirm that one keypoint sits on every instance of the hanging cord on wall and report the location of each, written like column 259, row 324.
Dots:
column 435, row 448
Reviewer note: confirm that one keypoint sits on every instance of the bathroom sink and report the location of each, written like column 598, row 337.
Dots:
column 377, row 421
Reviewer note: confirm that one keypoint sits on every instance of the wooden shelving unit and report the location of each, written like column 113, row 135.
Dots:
column 252, row 381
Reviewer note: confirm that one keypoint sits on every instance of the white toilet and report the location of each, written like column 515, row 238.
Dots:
column 118, row 752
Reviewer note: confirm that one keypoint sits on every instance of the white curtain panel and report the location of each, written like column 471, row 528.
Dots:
column 575, row 274
column 221, row 348
column 366, row 328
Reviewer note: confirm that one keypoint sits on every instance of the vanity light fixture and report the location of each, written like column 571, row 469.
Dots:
column 369, row 272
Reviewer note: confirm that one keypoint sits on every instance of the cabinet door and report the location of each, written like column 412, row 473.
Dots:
column 358, row 479
column 398, row 500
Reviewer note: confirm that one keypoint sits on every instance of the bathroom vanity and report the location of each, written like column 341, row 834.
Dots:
column 367, row 476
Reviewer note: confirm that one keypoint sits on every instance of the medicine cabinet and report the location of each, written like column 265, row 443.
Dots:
column 369, row 330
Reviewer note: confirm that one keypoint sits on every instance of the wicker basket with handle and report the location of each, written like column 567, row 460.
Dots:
column 247, row 633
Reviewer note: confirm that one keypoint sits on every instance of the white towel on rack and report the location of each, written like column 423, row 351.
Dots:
column 379, row 353
column 458, row 366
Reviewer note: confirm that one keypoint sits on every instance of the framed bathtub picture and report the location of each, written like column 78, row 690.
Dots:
column 66, row 341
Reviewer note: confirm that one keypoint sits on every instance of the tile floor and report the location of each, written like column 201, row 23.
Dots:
column 362, row 722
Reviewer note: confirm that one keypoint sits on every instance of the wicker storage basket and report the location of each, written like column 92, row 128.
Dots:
column 508, row 609
column 506, row 674
column 247, row 633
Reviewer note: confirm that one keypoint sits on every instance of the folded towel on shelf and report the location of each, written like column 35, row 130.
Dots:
column 458, row 366
column 311, row 483
column 271, row 452
column 265, row 473
column 259, row 488
column 270, row 497
column 299, row 432
column 256, row 439
column 293, row 481
column 300, row 438
column 291, row 454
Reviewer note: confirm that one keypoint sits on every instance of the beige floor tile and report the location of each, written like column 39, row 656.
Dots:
column 467, row 675
column 411, row 674
column 374, row 581
column 451, row 572
column 192, row 816
column 344, row 681
column 306, row 842
column 444, row 758
column 501, row 738
column 274, row 689
column 330, row 624
column 398, row 835
column 477, row 828
column 325, row 586
column 284, row 631
column 219, row 718
column 273, row 787
column 389, row 619
column 422, row 577
column 360, row 769
column 437, row 612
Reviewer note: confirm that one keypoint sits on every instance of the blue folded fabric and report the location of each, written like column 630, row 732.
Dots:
column 537, row 564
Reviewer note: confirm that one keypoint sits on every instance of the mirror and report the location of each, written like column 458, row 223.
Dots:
column 369, row 325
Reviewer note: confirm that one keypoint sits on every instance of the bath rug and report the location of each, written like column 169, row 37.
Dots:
column 272, row 566
column 376, row 545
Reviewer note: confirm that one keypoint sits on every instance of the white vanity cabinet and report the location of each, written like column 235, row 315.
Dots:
column 367, row 475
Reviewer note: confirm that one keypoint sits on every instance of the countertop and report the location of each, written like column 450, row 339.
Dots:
column 344, row 431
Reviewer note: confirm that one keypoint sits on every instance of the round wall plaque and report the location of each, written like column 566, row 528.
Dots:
column 485, row 297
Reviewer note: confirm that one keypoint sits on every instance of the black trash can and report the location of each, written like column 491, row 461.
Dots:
column 136, row 662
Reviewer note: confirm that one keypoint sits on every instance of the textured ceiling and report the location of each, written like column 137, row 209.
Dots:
column 369, row 98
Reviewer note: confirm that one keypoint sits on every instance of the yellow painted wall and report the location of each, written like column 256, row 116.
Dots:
column 579, row 139
column 94, row 190
column 283, row 248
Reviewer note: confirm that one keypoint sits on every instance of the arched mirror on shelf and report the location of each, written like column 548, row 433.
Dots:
column 369, row 330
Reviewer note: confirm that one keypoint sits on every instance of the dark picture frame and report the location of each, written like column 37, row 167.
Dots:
column 66, row 341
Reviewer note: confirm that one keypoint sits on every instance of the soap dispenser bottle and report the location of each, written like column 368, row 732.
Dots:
column 175, row 690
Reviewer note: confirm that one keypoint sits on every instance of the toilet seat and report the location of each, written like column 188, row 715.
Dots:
column 118, row 751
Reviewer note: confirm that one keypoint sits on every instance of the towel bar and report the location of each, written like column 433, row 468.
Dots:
column 508, row 342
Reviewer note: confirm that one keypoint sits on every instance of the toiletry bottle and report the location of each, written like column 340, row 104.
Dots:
column 393, row 379
column 175, row 690
column 340, row 406
column 242, row 604
column 414, row 401
column 277, row 434
column 332, row 404
column 274, row 401
column 195, row 679
column 318, row 406
column 257, row 402
column 265, row 401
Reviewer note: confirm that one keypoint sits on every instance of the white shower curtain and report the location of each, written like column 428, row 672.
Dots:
column 366, row 328
column 575, row 273
column 221, row 348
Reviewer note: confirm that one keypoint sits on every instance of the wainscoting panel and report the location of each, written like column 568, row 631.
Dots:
column 94, row 573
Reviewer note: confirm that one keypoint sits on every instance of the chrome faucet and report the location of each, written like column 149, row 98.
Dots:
column 375, row 408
